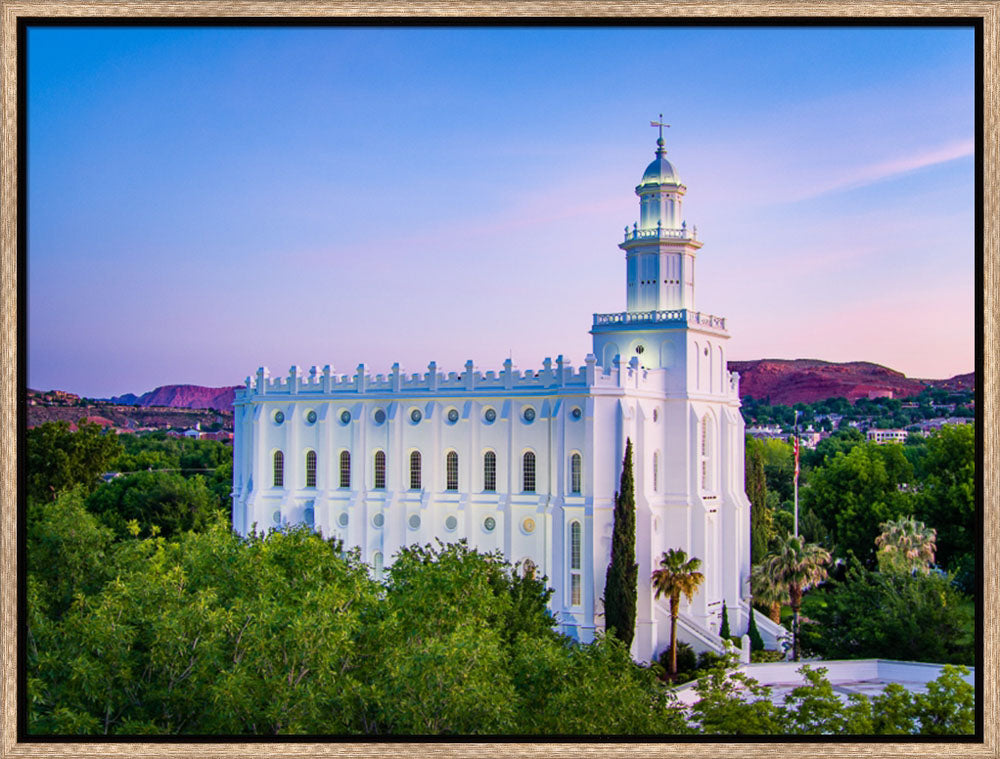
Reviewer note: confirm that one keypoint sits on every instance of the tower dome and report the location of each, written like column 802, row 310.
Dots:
column 660, row 171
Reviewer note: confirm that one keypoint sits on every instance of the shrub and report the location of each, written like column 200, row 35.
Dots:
column 687, row 661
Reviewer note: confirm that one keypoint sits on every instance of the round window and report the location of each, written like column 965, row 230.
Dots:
column 276, row 517
column 379, row 416
column 345, row 416
column 656, row 414
column 490, row 416
column 640, row 348
column 311, row 417
column 309, row 516
column 489, row 524
column 343, row 519
column 577, row 413
column 451, row 522
column 279, row 417
column 415, row 415
column 528, row 525
column 414, row 521
column 453, row 415
column 379, row 519
column 529, row 414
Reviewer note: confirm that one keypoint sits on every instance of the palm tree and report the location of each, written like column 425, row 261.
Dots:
column 798, row 566
column 906, row 546
column 677, row 574
column 768, row 591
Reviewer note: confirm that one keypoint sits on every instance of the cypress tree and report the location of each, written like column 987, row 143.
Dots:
column 621, row 586
column 756, row 641
column 724, row 632
column 756, row 489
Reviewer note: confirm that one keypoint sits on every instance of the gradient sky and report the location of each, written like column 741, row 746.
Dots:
column 203, row 201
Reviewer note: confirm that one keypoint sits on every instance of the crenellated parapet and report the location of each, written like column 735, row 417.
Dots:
column 552, row 376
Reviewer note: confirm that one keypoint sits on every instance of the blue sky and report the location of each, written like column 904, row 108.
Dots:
column 203, row 201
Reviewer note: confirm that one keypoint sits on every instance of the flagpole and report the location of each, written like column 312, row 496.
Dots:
column 795, row 526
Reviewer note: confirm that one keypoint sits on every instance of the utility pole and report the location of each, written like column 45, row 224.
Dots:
column 795, row 443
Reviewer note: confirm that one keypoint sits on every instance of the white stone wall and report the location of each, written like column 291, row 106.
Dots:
column 643, row 405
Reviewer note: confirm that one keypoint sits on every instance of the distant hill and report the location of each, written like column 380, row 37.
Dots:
column 182, row 396
column 784, row 381
column 790, row 381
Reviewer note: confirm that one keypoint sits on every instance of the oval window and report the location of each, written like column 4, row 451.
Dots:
column 345, row 416
column 451, row 522
column 279, row 417
column 489, row 524
column 311, row 417
column 490, row 416
column 378, row 520
column 529, row 415
column 415, row 415
column 414, row 521
column 379, row 416
column 453, row 415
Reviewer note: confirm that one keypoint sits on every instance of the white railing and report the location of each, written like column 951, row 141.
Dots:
column 681, row 315
column 661, row 233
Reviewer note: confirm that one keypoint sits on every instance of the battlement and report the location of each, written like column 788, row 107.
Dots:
column 552, row 375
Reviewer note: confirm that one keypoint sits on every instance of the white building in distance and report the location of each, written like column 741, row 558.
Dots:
column 528, row 462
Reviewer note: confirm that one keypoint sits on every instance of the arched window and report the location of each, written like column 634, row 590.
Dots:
column 377, row 565
column 279, row 469
column 415, row 470
column 575, row 473
column 656, row 471
column 310, row 469
column 574, row 563
column 379, row 470
column 529, row 472
column 345, row 469
column 706, row 453
column 451, row 470
column 489, row 472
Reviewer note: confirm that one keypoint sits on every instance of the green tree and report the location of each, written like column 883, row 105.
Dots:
column 814, row 708
column 58, row 459
column 756, row 641
column 263, row 629
column 947, row 498
column 724, row 632
column 905, row 546
column 676, row 576
column 66, row 551
column 797, row 566
column 948, row 706
column 890, row 616
column 732, row 703
column 761, row 519
column 769, row 591
column 621, row 583
column 779, row 467
column 166, row 500
column 565, row 688
column 854, row 493
column 841, row 441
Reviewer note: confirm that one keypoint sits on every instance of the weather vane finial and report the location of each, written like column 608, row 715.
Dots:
column 659, row 124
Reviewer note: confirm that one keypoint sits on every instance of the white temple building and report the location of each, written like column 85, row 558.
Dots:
column 529, row 462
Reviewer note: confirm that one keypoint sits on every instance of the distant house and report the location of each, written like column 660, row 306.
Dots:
column 887, row 436
column 766, row 432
